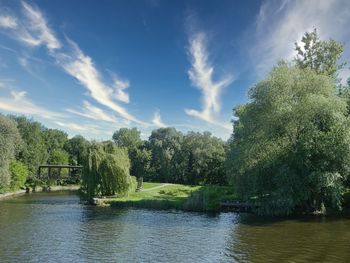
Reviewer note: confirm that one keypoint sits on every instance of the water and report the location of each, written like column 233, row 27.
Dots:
column 56, row 227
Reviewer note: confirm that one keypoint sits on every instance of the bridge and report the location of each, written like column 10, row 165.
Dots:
column 72, row 171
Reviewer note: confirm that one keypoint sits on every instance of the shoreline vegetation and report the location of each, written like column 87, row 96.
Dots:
column 174, row 196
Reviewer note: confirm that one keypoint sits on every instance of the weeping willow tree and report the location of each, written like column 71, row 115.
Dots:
column 106, row 170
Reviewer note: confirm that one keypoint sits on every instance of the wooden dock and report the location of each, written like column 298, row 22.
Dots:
column 237, row 207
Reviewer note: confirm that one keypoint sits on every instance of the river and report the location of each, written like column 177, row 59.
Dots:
column 57, row 227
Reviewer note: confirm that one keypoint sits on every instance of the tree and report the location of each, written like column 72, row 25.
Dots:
column 142, row 163
column 114, row 172
column 33, row 152
column 204, row 157
column 290, row 148
column 54, row 139
column 76, row 148
column 164, row 144
column 19, row 173
column 9, row 142
column 320, row 56
column 106, row 170
column 131, row 140
column 128, row 138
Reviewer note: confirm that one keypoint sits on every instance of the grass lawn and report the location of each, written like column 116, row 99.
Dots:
column 175, row 196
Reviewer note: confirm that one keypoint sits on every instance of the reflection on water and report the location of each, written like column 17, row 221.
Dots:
column 56, row 227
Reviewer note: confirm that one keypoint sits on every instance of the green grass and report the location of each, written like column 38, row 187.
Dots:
column 175, row 196
column 147, row 185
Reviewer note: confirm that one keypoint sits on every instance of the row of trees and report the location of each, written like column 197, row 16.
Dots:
column 25, row 144
column 167, row 156
column 290, row 151
column 171, row 156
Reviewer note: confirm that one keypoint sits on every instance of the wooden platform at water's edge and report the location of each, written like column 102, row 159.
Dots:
column 237, row 207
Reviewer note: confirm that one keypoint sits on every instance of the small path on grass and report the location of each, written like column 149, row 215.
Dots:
column 154, row 188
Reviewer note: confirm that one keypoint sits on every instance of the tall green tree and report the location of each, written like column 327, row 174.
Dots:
column 9, row 142
column 106, row 170
column 164, row 144
column 290, row 148
column 131, row 140
column 76, row 148
column 203, row 156
column 34, row 152
column 320, row 56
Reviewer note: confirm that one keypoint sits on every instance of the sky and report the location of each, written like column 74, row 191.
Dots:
column 92, row 67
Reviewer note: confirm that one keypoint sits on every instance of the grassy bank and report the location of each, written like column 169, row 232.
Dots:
column 175, row 196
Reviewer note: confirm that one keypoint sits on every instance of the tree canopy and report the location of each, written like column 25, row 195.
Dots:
column 10, row 140
column 291, row 142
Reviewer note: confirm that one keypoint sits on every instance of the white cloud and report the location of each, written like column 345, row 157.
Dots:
column 37, row 31
column 92, row 112
column 120, row 85
column 78, row 127
column 17, row 102
column 157, row 120
column 81, row 67
column 8, row 22
column 280, row 24
column 201, row 75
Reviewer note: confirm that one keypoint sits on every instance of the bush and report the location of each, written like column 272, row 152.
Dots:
column 19, row 174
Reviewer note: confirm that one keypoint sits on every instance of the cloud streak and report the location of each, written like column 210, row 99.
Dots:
column 35, row 31
column 157, row 120
column 92, row 112
column 280, row 23
column 201, row 75
column 81, row 67
column 17, row 102
column 8, row 22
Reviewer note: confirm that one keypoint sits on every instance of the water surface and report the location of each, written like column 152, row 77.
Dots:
column 56, row 227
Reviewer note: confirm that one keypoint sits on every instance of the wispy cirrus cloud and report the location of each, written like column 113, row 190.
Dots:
column 78, row 127
column 92, row 112
column 201, row 75
column 279, row 24
column 17, row 102
column 157, row 120
column 34, row 31
column 8, row 22
column 81, row 67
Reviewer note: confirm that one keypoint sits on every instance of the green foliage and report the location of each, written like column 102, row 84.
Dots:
column 141, row 162
column 320, row 56
column 106, row 170
column 10, row 140
column 114, row 172
column 33, row 152
column 203, row 156
column 55, row 140
column 164, row 143
column 131, row 140
column 290, row 147
column 176, row 196
column 58, row 156
column 19, row 173
column 76, row 148
column 128, row 138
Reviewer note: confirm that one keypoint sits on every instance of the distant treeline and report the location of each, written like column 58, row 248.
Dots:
column 168, row 155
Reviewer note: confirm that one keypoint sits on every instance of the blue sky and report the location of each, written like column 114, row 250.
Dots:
column 91, row 67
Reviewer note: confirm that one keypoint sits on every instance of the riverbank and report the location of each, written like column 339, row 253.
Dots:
column 41, row 189
column 175, row 196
